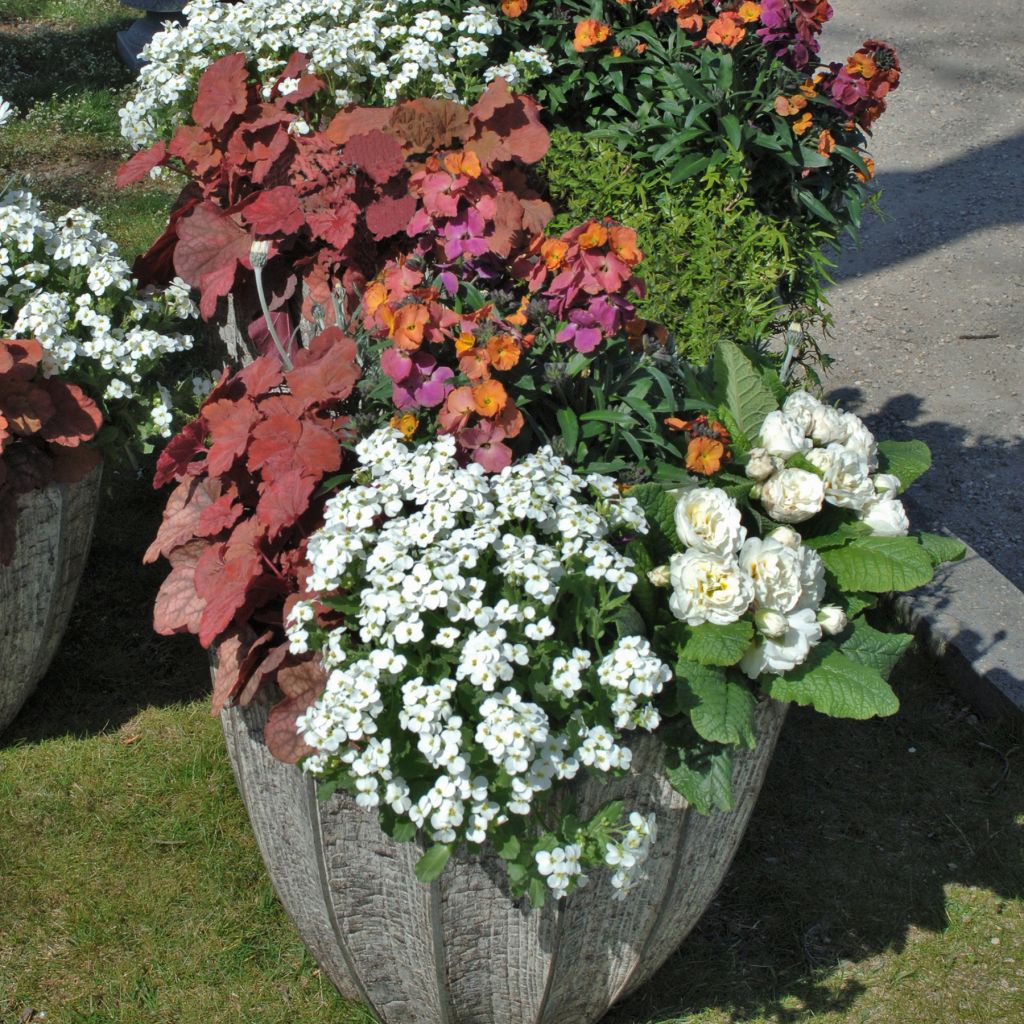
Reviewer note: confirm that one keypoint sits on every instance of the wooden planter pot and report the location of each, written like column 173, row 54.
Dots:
column 37, row 590
column 460, row 951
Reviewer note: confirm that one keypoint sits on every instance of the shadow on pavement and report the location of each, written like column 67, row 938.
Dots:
column 930, row 208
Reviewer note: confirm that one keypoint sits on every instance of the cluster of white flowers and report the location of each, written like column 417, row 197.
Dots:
column 64, row 283
column 456, row 574
column 724, row 575
column 844, row 452
column 370, row 52
column 6, row 111
column 627, row 855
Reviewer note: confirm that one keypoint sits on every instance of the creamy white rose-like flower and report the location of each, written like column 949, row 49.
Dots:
column 786, row 535
column 708, row 519
column 708, row 588
column 793, row 495
column 774, row 570
column 783, row 436
column 801, row 406
column 828, row 426
column 760, row 465
column 783, row 653
column 832, row 619
column 887, row 485
column 886, row 518
column 860, row 439
column 844, row 472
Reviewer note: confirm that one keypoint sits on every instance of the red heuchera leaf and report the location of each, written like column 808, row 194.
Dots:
column 261, row 375
column 181, row 516
column 229, row 422
column 274, row 439
column 335, row 226
column 178, row 607
column 178, row 457
column 139, row 166
column 223, row 577
column 19, row 358
column 326, row 371
column 238, row 653
column 262, row 341
column 156, row 265
column 281, row 736
column 210, row 247
column 284, row 501
column 507, row 126
column 222, row 92
column 318, row 451
column 76, row 416
column 196, row 148
column 301, row 676
column 26, row 408
column 73, row 464
column 275, row 211
column 389, row 216
column 356, row 121
column 426, row 125
column 221, row 515
column 261, row 672
column 375, row 153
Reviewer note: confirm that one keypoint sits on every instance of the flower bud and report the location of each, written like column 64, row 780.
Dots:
column 660, row 576
column 786, row 535
column 771, row 624
column 258, row 253
column 832, row 619
column 760, row 465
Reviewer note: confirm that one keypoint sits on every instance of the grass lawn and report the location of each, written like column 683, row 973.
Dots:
column 881, row 880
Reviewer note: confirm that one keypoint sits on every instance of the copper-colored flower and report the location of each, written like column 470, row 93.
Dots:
column 705, row 455
column 406, row 423
column 490, row 397
column 590, row 32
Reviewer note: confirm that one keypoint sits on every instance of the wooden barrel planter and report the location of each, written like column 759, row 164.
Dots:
column 37, row 590
column 460, row 950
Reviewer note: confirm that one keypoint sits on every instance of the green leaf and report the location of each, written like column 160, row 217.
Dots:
column 814, row 204
column 404, row 831
column 877, row 650
column 325, row 790
column 629, row 622
column 644, row 595
column 745, row 393
column 904, row 459
column 432, row 863
column 942, row 549
column 570, row 428
column 615, row 417
column 724, row 712
column 856, row 603
column 659, row 508
column 711, row 644
column 688, row 167
column 705, row 780
column 537, row 893
column 879, row 564
column 509, row 850
column 836, row 686
column 838, row 537
column 607, row 816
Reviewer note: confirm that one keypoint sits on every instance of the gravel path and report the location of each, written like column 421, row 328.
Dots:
column 929, row 335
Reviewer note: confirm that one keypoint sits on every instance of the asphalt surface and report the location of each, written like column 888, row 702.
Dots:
column 929, row 312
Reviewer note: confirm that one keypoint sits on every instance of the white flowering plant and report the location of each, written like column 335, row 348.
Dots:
column 375, row 52
column 487, row 638
column 64, row 283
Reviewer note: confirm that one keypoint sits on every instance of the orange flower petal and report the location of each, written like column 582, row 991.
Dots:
column 489, row 398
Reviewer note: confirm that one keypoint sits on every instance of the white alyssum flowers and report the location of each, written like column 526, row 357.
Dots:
column 378, row 51
column 6, row 112
column 844, row 455
column 64, row 283
column 451, row 584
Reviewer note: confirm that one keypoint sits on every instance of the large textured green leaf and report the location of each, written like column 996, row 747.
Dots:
column 710, row 644
column 904, row 459
column 724, row 712
column 659, row 507
column 880, row 651
column 837, row 686
column 745, row 393
column 879, row 564
column 942, row 549
column 705, row 780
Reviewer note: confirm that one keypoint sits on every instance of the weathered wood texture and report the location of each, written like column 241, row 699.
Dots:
column 37, row 590
column 460, row 951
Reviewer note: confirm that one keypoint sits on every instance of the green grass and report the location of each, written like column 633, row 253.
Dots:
column 871, row 885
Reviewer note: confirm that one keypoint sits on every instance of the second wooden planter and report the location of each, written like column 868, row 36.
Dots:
column 37, row 590
column 460, row 951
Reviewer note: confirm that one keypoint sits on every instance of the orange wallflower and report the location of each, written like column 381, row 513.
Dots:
column 374, row 297
column 504, row 351
column 801, row 124
column 489, row 398
column 518, row 318
column 809, row 89
column 704, row 455
column 464, row 342
column 826, row 144
column 862, row 64
column 595, row 235
column 726, row 30
column 513, row 8
column 475, row 364
column 465, row 162
column 406, row 423
column 870, row 164
column 406, row 328
column 749, row 12
column 590, row 32
column 553, row 252
column 787, row 106
column 623, row 243
column 689, row 16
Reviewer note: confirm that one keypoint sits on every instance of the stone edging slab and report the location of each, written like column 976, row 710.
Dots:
column 971, row 617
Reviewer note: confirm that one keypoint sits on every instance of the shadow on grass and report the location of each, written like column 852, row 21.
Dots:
column 40, row 62
column 859, row 829
column 111, row 664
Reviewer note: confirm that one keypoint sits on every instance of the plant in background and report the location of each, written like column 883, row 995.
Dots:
column 44, row 422
column 64, row 284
